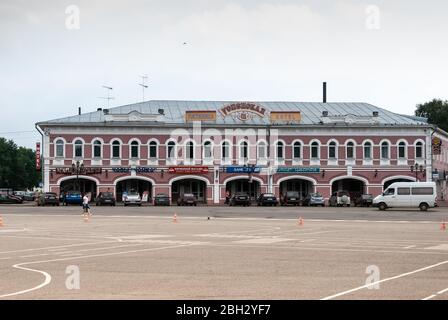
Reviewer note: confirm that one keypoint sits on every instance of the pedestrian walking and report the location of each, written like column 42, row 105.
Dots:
column 85, row 205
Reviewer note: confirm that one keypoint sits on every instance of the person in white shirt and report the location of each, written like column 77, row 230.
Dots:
column 85, row 205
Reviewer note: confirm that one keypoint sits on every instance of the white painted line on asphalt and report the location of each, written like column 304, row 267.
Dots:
column 48, row 277
column 436, row 294
column 430, row 297
column 263, row 240
column 62, row 246
column 5, row 258
column 308, row 240
column 410, row 247
column 113, row 247
column 35, row 255
column 442, row 291
column 384, row 280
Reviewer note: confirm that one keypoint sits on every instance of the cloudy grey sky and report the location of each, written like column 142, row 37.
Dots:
column 236, row 50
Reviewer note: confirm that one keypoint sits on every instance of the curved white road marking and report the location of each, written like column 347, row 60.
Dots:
column 436, row 294
column 43, row 284
column 48, row 277
column 384, row 280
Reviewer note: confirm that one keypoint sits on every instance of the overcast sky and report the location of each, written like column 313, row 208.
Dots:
column 393, row 54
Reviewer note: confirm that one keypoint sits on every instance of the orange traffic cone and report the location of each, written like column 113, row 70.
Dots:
column 175, row 218
column 1, row 222
column 300, row 221
column 443, row 225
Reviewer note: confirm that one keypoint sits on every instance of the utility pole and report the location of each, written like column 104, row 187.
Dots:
column 108, row 98
column 143, row 85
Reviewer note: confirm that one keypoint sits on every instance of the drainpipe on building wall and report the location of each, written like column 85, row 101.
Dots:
column 430, row 139
column 270, row 174
column 41, row 154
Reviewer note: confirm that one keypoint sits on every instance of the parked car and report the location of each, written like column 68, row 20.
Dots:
column 105, row 198
column 291, row 197
column 132, row 198
column 364, row 200
column 29, row 196
column 73, row 197
column 20, row 194
column 162, row 199
column 267, row 199
column 340, row 199
column 48, row 198
column 187, row 199
column 421, row 195
column 240, row 198
column 314, row 199
column 10, row 199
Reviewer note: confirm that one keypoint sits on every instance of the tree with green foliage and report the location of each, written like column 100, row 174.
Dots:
column 17, row 166
column 436, row 111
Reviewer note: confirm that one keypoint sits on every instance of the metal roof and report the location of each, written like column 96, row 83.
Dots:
column 311, row 112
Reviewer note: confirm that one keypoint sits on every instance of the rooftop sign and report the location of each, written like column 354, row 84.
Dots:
column 243, row 110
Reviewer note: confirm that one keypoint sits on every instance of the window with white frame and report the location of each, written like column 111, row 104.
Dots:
column 261, row 150
column 297, row 150
column 208, row 152
column 350, row 150
column 153, row 150
column 280, row 151
column 384, row 150
column 402, row 150
column 59, row 148
column 189, row 151
column 419, row 149
column 134, row 149
column 97, row 149
column 225, row 150
column 78, row 148
column 171, row 150
column 315, row 154
column 244, row 150
column 116, row 149
column 332, row 150
column 368, row 150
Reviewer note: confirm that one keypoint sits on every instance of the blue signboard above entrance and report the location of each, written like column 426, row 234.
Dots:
column 242, row 169
column 298, row 170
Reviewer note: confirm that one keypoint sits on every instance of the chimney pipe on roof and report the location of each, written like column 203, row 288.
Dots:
column 79, row 110
column 324, row 92
column 99, row 109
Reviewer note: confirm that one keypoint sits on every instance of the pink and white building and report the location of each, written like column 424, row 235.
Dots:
column 211, row 147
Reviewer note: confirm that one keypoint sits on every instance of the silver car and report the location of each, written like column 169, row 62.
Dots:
column 132, row 198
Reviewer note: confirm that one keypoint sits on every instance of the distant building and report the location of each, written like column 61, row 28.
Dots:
column 210, row 147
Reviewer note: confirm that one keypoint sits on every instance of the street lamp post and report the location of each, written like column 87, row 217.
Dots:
column 416, row 168
column 77, row 169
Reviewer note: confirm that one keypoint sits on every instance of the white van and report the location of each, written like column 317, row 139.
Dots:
column 408, row 195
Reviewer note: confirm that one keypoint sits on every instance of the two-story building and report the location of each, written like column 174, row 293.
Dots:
column 209, row 148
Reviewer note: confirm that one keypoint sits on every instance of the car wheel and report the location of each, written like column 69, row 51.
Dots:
column 382, row 206
column 423, row 206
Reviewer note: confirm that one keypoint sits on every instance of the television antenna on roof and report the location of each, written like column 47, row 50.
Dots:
column 108, row 98
column 143, row 85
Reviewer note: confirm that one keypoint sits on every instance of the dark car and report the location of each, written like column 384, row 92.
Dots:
column 162, row 199
column 240, row 198
column 73, row 197
column 187, row 199
column 105, row 198
column 314, row 199
column 48, row 198
column 364, row 200
column 291, row 197
column 10, row 199
column 29, row 196
column 267, row 199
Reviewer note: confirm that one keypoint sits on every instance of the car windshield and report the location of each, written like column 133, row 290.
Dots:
column 189, row 195
column 162, row 195
column 74, row 193
column 342, row 193
column 50, row 194
column 316, row 195
column 133, row 194
column 292, row 193
column 269, row 195
column 107, row 194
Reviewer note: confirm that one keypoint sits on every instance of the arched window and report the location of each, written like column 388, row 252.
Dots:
column 59, row 148
column 78, row 149
column 315, row 154
column 332, row 150
column 153, row 150
column 208, row 154
column 189, row 150
column 225, row 151
column 402, row 150
column 297, row 150
column 419, row 150
column 350, row 150
column 368, row 150
column 134, row 149
column 261, row 150
column 171, row 150
column 116, row 149
column 280, row 150
column 385, row 150
column 97, row 149
column 244, row 150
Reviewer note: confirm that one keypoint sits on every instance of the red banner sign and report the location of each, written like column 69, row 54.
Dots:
column 187, row 169
column 38, row 165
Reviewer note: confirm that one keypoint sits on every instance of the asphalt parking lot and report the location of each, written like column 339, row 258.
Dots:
column 223, row 253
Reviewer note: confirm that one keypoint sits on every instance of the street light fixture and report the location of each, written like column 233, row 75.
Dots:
column 417, row 168
column 77, row 169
